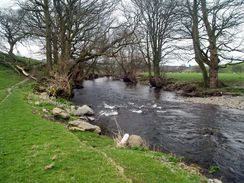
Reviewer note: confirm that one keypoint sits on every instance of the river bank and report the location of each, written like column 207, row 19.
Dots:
column 34, row 148
column 190, row 90
column 226, row 101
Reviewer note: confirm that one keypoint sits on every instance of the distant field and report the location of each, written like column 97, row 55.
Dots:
column 194, row 76
column 188, row 76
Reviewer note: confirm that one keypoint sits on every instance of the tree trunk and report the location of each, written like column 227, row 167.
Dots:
column 48, row 35
column 199, row 57
column 213, row 76
column 11, row 49
column 149, row 69
column 212, row 39
column 205, row 76
column 148, row 57
column 156, row 81
column 55, row 48
column 156, row 61
column 156, row 69
column 213, row 69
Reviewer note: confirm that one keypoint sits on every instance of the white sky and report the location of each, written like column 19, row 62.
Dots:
column 6, row 3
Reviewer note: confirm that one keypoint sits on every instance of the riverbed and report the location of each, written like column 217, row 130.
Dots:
column 204, row 134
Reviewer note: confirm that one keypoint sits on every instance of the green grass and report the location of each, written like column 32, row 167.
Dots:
column 142, row 165
column 194, row 76
column 18, row 59
column 8, row 77
column 29, row 144
column 191, row 76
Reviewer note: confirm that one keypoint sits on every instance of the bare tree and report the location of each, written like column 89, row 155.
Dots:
column 213, row 27
column 11, row 27
column 75, row 32
column 159, row 18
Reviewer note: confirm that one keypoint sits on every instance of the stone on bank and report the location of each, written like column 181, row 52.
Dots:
column 84, row 110
column 81, row 125
column 57, row 112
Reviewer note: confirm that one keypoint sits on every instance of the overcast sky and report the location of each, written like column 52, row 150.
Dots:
column 7, row 3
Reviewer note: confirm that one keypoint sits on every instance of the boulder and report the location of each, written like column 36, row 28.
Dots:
column 72, row 108
column 135, row 141
column 44, row 96
column 83, row 110
column 37, row 103
column 64, row 115
column 214, row 181
column 91, row 118
column 57, row 112
column 81, row 125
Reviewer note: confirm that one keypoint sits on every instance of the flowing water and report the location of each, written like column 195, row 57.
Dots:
column 204, row 134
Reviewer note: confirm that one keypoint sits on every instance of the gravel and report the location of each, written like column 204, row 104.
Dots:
column 236, row 102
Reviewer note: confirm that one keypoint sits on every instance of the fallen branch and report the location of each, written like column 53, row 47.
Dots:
column 25, row 73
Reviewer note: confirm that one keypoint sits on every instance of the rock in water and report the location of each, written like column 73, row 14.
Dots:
column 135, row 141
column 81, row 125
column 84, row 110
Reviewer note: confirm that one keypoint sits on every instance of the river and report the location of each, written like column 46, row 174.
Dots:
column 203, row 134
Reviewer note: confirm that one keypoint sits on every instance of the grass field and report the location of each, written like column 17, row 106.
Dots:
column 191, row 76
column 33, row 149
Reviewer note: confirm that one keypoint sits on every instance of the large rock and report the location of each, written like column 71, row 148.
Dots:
column 81, row 125
column 44, row 96
column 57, row 112
column 135, row 141
column 84, row 110
column 214, row 181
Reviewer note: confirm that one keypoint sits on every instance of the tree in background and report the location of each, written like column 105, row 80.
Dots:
column 75, row 32
column 12, row 27
column 158, row 17
column 214, row 27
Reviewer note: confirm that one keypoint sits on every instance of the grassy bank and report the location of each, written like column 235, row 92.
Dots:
column 33, row 149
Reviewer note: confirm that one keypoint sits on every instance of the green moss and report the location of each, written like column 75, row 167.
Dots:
column 213, row 169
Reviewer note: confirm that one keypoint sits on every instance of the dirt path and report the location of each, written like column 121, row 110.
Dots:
column 10, row 89
column 120, row 169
